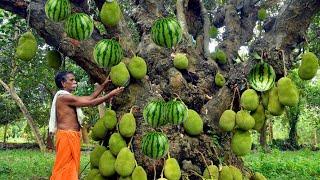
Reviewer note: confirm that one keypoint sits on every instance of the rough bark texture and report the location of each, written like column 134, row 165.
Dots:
column 263, row 137
column 293, row 116
column 194, row 86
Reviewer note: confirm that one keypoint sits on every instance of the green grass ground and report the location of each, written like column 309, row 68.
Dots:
column 286, row 165
column 277, row 165
column 30, row 164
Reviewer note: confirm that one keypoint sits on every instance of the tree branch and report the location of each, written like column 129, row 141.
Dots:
column 54, row 35
column 287, row 31
column 182, row 17
column 206, row 26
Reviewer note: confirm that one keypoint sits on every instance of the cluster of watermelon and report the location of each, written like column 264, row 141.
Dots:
column 158, row 112
column 79, row 25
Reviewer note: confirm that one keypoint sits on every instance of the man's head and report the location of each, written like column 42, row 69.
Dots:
column 66, row 80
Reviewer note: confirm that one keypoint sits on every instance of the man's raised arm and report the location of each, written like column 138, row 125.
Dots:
column 83, row 101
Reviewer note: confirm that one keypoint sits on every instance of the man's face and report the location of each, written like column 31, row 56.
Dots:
column 70, row 84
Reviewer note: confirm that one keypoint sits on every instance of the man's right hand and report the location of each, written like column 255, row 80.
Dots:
column 116, row 91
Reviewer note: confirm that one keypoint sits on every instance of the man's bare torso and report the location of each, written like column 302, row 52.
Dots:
column 66, row 116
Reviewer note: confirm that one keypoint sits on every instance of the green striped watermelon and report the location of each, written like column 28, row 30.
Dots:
column 107, row 53
column 177, row 112
column 262, row 77
column 166, row 32
column 57, row 10
column 154, row 113
column 155, row 145
column 79, row 26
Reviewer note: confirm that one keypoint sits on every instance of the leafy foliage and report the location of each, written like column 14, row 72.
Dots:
column 9, row 110
column 285, row 164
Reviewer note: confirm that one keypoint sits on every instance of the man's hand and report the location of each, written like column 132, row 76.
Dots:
column 116, row 91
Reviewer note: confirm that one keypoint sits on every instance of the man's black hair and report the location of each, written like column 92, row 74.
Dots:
column 61, row 76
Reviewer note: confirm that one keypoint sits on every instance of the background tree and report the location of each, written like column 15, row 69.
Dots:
column 10, row 112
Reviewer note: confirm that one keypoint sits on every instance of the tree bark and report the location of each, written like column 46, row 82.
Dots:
column 293, row 135
column 270, row 129
column 50, row 143
column 263, row 137
column 293, row 117
column 26, row 114
column 84, row 131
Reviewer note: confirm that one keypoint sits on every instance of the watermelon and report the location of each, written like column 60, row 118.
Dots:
column 79, row 26
column 107, row 53
column 177, row 112
column 57, row 10
column 155, row 145
column 262, row 77
column 154, row 113
column 166, row 32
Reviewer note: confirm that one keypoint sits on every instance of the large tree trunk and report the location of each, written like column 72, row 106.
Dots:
column 270, row 130
column 263, row 137
column 293, row 135
column 293, row 117
column 194, row 86
column 24, row 110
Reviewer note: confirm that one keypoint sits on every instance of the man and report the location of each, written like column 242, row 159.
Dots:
column 65, row 121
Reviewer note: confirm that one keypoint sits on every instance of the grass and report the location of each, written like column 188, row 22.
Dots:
column 283, row 165
column 286, row 165
column 30, row 164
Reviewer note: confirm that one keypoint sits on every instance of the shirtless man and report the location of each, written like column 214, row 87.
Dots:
column 67, row 161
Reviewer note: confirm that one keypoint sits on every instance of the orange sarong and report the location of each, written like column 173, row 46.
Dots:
column 67, row 161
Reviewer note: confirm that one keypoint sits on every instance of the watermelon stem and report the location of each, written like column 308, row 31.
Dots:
column 110, row 103
column 133, row 54
column 204, row 160
column 284, row 63
column 196, row 174
column 130, row 142
column 133, row 107
column 154, row 169
column 29, row 14
column 234, row 94
column 161, row 176
column 177, row 96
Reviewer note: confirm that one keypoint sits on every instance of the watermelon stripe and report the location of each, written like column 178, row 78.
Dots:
column 57, row 10
column 107, row 53
column 166, row 32
column 154, row 145
column 262, row 77
column 79, row 26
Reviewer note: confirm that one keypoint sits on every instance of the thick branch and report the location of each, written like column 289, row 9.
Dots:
column 287, row 31
column 54, row 35
column 181, row 16
column 206, row 26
